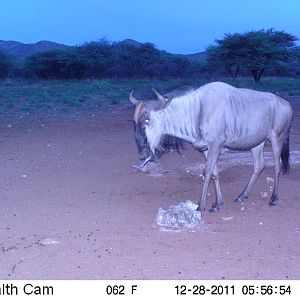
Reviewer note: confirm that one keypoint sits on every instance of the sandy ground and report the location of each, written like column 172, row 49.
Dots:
column 73, row 207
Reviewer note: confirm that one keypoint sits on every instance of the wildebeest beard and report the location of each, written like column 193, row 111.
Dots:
column 167, row 144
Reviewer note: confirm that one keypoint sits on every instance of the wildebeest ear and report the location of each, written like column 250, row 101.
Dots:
column 132, row 99
column 161, row 98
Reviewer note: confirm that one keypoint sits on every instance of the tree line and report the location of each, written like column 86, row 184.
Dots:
column 101, row 59
column 256, row 53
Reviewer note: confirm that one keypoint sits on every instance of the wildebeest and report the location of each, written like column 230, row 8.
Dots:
column 215, row 116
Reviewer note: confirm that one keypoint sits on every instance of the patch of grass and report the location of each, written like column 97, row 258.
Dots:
column 69, row 95
column 271, row 84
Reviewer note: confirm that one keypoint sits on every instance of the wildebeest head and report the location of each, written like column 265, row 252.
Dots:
column 142, row 120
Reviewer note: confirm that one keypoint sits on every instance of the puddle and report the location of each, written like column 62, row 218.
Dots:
column 231, row 159
column 151, row 168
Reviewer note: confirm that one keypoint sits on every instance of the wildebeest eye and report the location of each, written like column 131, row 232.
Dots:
column 147, row 121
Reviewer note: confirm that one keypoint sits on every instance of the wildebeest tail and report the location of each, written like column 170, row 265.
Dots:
column 285, row 154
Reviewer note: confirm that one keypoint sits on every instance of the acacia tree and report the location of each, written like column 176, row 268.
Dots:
column 255, row 51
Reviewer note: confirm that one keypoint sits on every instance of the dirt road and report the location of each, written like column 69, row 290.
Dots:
column 73, row 207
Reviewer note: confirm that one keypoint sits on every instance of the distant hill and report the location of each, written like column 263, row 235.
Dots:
column 21, row 50
column 200, row 56
column 131, row 42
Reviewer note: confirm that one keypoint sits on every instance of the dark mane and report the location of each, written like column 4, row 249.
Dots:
column 181, row 91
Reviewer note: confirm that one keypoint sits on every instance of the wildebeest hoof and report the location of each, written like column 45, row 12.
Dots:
column 273, row 201
column 240, row 198
column 214, row 209
column 200, row 209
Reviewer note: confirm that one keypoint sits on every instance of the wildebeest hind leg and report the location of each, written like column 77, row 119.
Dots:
column 259, row 164
column 277, row 143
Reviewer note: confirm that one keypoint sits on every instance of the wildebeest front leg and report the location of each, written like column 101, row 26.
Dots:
column 218, row 194
column 211, row 160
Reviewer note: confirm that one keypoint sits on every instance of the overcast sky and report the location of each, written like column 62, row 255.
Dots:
column 177, row 26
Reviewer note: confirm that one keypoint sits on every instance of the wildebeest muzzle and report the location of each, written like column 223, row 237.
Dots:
column 141, row 142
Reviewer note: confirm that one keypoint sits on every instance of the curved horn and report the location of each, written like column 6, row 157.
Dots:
column 161, row 98
column 132, row 99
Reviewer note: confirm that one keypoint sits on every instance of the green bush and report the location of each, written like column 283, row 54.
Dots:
column 6, row 64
